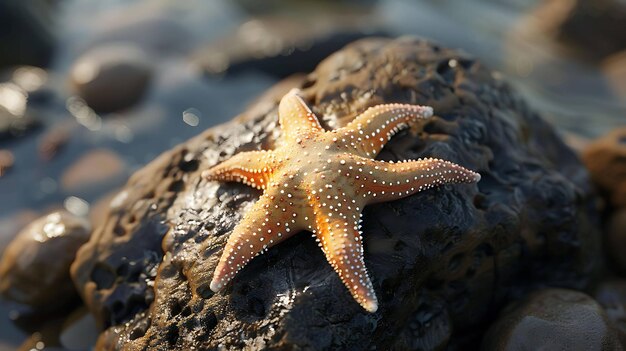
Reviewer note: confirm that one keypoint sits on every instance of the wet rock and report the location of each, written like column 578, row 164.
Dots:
column 616, row 239
column 593, row 29
column 12, row 223
column 93, row 168
column 34, row 269
column 111, row 77
column 442, row 261
column 100, row 209
column 278, row 46
column 6, row 161
column 553, row 319
column 606, row 160
column 611, row 295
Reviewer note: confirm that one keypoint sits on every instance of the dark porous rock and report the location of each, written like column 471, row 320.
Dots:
column 616, row 239
column 441, row 261
column 111, row 77
column 606, row 160
column 553, row 319
column 35, row 267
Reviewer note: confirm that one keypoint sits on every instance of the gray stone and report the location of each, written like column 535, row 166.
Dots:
column 553, row 319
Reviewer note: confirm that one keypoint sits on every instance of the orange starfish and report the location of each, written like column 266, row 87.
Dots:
column 320, row 181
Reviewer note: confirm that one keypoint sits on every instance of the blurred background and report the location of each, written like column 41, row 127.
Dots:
column 90, row 90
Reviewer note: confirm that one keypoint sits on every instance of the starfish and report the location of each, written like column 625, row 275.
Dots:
column 319, row 181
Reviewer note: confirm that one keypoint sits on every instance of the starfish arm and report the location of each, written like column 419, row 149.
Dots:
column 252, row 168
column 368, row 133
column 271, row 220
column 295, row 117
column 383, row 181
column 339, row 237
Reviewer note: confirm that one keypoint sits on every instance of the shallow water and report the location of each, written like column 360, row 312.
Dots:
column 181, row 101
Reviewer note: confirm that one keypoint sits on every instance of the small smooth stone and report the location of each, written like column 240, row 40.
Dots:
column 53, row 141
column 93, row 168
column 611, row 294
column 591, row 29
column 111, row 77
column 614, row 69
column 553, row 319
column 34, row 269
column 605, row 160
column 6, row 161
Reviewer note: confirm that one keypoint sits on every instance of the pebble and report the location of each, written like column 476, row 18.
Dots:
column 591, row 29
column 93, row 168
column 34, row 269
column 553, row 319
column 111, row 77
column 611, row 294
column 605, row 160
column 614, row 69
column 6, row 161
column 54, row 140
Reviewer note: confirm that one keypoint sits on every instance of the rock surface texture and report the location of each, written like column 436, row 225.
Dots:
column 441, row 260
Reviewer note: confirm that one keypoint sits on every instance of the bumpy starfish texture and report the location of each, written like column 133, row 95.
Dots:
column 319, row 181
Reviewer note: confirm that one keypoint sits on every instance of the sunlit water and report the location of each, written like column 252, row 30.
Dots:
column 182, row 102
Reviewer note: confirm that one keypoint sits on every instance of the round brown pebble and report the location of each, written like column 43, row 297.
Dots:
column 54, row 141
column 6, row 161
column 93, row 168
column 606, row 160
column 614, row 69
column 553, row 319
column 34, row 269
column 111, row 77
